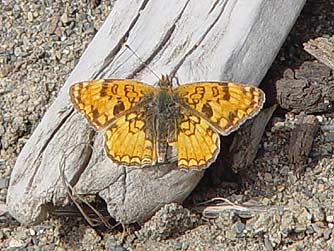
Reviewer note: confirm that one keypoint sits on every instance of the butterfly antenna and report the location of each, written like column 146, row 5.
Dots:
column 137, row 56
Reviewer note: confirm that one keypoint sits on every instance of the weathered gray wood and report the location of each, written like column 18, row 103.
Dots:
column 322, row 49
column 247, row 139
column 234, row 40
column 301, row 140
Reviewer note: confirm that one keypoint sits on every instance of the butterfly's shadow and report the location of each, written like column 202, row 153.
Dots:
column 233, row 172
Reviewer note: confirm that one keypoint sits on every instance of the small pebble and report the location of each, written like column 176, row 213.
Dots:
column 239, row 228
column 30, row 16
column 320, row 118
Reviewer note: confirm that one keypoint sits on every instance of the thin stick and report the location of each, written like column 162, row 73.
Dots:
column 221, row 204
column 74, row 197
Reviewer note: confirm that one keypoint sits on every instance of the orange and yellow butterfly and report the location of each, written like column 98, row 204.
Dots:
column 145, row 125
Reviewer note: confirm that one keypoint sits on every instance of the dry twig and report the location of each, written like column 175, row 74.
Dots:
column 77, row 199
column 213, row 207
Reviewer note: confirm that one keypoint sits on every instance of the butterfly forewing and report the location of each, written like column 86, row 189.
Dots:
column 102, row 101
column 224, row 105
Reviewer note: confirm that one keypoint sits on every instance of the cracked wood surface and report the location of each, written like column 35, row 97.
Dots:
column 301, row 140
column 233, row 40
column 322, row 49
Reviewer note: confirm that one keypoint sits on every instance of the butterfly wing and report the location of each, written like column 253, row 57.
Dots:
column 224, row 105
column 103, row 101
column 197, row 144
column 130, row 140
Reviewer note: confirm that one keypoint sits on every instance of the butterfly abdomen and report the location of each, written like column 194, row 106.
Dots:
column 165, row 120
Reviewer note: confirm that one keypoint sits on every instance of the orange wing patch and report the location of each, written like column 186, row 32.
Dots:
column 197, row 145
column 130, row 140
column 224, row 105
column 102, row 101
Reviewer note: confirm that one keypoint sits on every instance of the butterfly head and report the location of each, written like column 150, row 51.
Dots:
column 165, row 82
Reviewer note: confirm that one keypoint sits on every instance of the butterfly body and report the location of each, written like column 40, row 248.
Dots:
column 163, row 111
column 146, row 125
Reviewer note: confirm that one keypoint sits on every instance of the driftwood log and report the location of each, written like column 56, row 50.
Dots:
column 247, row 139
column 233, row 40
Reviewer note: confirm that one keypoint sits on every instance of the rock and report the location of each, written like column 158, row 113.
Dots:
column 238, row 228
column 330, row 218
column 114, row 247
column 13, row 243
column 64, row 18
column 18, row 51
column 30, row 16
column 90, row 238
column 52, row 25
column 6, row 70
column 4, row 183
column 170, row 220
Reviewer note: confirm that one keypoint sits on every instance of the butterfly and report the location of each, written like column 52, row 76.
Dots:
column 145, row 125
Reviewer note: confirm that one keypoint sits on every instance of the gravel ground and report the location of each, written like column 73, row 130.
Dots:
column 40, row 43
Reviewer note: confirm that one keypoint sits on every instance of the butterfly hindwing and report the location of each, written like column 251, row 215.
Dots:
column 130, row 139
column 197, row 144
column 102, row 101
column 224, row 105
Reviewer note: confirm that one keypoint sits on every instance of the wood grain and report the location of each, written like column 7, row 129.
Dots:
column 322, row 49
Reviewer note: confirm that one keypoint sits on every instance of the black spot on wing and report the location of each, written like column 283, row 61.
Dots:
column 207, row 110
column 119, row 107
